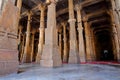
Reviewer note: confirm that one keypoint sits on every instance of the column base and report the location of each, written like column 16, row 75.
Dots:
column 38, row 58
column 50, row 57
column 73, row 57
column 82, row 60
column 8, row 61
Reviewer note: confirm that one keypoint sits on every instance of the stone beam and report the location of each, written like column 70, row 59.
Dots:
column 33, row 9
column 99, row 30
column 36, row 1
column 96, row 13
column 60, row 12
column 97, row 20
column 89, row 2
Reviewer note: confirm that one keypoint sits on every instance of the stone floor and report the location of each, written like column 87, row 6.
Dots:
column 67, row 72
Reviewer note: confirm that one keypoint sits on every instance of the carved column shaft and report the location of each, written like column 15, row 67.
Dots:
column 19, row 5
column 19, row 42
column 27, row 54
column 65, row 55
column 60, row 45
column 20, row 32
column 87, row 37
column 22, row 52
column 50, row 56
column 73, row 55
column 93, row 45
column 41, row 35
column 81, row 40
column 116, row 30
column 32, row 49
column 116, row 18
column 117, row 54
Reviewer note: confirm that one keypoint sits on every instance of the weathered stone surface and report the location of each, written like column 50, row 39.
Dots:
column 51, row 56
column 8, row 39
column 8, row 61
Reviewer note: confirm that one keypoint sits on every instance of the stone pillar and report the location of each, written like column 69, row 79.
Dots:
column 65, row 55
column 27, row 54
column 87, row 37
column 116, row 19
column 60, row 45
column 41, row 35
column 8, row 38
column 19, row 5
column 93, row 45
column 32, row 49
column 116, row 32
column 73, row 55
column 19, row 36
column 22, row 52
column 81, row 40
column 50, row 56
column 117, row 2
column 19, row 41
column 115, row 36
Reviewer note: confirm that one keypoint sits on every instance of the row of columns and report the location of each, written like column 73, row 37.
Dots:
column 48, row 54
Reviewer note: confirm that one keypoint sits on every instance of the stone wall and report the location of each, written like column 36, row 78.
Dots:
column 8, row 38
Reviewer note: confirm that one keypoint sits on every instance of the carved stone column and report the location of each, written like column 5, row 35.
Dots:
column 116, row 19
column 116, row 32
column 41, row 35
column 115, row 36
column 8, row 38
column 93, row 45
column 19, row 36
column 19, row 42
column 27, row 54
column 65, row 55
column 87, row 37
column 32, row 45
column 81, row 40
column 50, row 56
column 22, row 52
column 60, row 45
column 73, row 55
column 19, row 5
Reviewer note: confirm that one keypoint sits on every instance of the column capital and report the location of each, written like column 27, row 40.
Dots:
column 20, row 27
column 29, row 13
column 64, row 23
column 42, row 7
column 60, row 30
column 77, row 7
column 85, row 19
column 48, row 2
column 80, row 28
column 72, row 20
column 33, row 31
